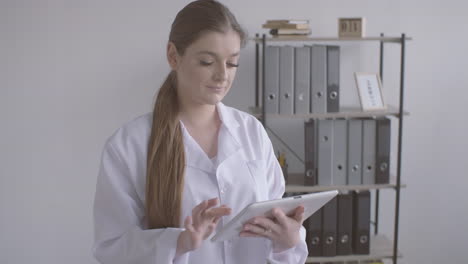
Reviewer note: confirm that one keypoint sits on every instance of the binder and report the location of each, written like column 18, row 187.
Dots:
column 333, row 78
column 329, row 218
column 302, row 80
column 313, row 226
column 354, row 151
column 368, row 151
column 310, row 175
column 339, row 165
column 383, row 151
column 345, row 224
column 318, row 75
column 325, row 152
column 286, row 80
column 271, row 79
column 361, row 222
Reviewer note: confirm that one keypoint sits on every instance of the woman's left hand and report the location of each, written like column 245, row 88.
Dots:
column 283, row 230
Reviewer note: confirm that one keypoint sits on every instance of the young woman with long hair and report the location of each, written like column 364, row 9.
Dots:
column 164, row 174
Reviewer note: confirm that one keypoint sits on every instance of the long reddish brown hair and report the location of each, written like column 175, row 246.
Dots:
column 166, row 157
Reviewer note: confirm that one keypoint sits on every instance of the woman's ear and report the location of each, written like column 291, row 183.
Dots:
column 172, row 56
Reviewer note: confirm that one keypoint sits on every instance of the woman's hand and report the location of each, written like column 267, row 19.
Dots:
column 200, row 225
column 283, row 230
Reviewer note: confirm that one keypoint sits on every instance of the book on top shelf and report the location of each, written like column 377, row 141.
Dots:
column 286, row 26
column 288, row 21
column 280, row 31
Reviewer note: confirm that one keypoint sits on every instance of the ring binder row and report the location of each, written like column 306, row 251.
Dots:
column 347, row 152
column 302, row 80
column 341, row 227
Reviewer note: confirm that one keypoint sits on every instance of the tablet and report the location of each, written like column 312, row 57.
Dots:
column 311, row 202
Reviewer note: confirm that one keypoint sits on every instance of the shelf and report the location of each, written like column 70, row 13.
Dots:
column 295, row 184
column 380, row 248
column 329, row 39
column 346, row 112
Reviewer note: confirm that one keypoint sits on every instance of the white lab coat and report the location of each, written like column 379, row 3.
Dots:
column 245, row 170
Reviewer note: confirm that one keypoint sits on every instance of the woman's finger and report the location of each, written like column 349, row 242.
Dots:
column 299, row 214
column 197, row 210
column 266, row 223
column 209, row 203
column 212, row 202
column 280, row 216
column 216, row 212
column 188, row 224
column 258, row 230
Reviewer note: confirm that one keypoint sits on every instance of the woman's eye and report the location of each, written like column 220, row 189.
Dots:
column 205, row 63
column 208, row 63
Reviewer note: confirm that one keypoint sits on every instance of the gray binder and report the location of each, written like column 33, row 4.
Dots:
column 383, row 151
column 302, row 80
column 325, row 152
column 286, row 80
column 354, row 151
column 271, row 79
column 333, row 78
column 318, row 68
column 340, row 139
column 368, row 151
column 310, row 174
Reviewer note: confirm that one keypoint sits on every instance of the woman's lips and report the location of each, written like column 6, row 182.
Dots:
column 215, row 88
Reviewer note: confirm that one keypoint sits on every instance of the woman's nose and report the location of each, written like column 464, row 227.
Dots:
column 221, row 73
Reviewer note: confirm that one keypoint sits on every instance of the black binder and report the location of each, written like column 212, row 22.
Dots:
column 313, row 226
column 345, row 224
column 361, row 222
column 329, row 218
column 382, row 168
column 310, row 132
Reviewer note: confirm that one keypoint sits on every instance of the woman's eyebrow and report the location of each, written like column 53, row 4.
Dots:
column 214, row 54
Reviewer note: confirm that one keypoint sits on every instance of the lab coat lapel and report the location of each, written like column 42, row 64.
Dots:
column 228, row 144
column 195, row 157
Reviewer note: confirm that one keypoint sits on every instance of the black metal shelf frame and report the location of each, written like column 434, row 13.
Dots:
column 260, row 71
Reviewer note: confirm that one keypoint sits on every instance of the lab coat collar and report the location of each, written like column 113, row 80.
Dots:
column 228, row 143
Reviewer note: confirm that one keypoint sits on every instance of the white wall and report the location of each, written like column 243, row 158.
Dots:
column 71, row 72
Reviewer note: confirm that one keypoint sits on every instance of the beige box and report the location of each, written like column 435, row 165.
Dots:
column 352, row 27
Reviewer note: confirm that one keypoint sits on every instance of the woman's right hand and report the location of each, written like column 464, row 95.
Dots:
column 200, row 225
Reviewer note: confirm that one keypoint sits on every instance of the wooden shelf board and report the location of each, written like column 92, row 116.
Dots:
column 346, row 112
column 380, row 248
column 295, row 183
column 329, row 39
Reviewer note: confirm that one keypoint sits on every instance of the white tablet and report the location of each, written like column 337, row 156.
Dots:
column 311, row 202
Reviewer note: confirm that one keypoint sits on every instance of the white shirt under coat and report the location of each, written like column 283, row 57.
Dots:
column 245, row 170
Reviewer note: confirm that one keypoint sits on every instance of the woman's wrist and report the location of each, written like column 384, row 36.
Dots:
column 182, row 246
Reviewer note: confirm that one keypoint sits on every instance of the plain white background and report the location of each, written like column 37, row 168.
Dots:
column 71, row 72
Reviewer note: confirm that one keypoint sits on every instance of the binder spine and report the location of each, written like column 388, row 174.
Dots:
column 286, row 80
column 318, row 77
column 310, row 175
column 383, row 151
column 333, row 78
column 302, row 80
column 271, row 79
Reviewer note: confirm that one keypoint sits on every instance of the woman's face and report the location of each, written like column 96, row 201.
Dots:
column 207, row 69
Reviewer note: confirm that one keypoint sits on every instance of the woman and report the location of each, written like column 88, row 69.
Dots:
column 195, row 153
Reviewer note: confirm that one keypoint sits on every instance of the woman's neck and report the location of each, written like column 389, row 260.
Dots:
column 199, row 116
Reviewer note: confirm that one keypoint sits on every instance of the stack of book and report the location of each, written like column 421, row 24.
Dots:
column 288, row 27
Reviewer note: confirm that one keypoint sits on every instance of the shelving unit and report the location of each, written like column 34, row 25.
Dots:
column 380, row 247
